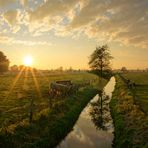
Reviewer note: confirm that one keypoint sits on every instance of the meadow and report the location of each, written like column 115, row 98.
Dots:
column 52, row 118
column 129, row 111
column 140, row 92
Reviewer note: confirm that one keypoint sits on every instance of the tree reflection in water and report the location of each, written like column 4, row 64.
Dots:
column 99, row 111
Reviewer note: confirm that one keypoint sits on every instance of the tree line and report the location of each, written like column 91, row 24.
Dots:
column 99, row 61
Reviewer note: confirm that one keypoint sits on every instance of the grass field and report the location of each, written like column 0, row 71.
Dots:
column 15, row 99
column 16, row 92
column 130, row 122
column 141, row 89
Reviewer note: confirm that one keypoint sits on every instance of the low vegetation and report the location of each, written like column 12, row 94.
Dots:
column 130, row 122
column 52, row 119
column 140, row 92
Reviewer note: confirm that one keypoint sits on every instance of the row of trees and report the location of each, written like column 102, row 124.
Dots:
column 99, row 61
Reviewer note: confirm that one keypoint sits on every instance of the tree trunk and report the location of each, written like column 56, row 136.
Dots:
column 101, row 70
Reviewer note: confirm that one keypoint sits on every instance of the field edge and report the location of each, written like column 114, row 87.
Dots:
column 129, row 121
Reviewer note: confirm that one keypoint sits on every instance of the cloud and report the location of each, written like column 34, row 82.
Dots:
column 53, row 15
column 112, row 20
column 24, row 2
column 123, row 21
column 11, row 16
column 51, row 8
column 4, row 39
column 90, row 12
column 6, row 2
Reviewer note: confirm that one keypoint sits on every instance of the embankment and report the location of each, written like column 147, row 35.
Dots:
column 131, row 124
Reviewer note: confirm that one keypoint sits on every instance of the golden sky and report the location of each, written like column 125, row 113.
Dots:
column 65, row 32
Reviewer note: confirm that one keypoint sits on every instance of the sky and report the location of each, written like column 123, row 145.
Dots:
column 65, row 32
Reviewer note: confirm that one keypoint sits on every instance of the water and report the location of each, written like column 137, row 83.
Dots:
column 94, row 127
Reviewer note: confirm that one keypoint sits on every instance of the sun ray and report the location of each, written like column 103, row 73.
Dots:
column 43, row 75
column 15, row 81
column 25, row 78
column 36, row 83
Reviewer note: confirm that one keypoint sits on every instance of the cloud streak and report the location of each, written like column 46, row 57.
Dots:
column 4, row 3
column 10, row 40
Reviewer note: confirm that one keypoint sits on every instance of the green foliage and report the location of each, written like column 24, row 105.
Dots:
column 107, row 74
column 100, row 59
column 4, row 62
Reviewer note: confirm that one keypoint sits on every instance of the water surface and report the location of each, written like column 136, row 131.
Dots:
column 94, row 127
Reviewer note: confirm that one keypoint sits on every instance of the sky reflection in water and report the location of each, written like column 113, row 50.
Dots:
column 86, row 133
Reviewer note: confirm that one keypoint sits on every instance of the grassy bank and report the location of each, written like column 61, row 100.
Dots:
column 50, row 125
column 141, row 89
column 130, row 122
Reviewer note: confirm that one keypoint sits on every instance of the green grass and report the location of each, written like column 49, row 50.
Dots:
column 130, row 122
column 15, row 107
column 141, row 90
column 137, row 77
column 49, row 125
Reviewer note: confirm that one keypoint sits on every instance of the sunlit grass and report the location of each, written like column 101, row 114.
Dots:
column 128, row 116
column 25, row 78
column 16, row 107
column 47, row 121
column 36, row 83
column 15, row 81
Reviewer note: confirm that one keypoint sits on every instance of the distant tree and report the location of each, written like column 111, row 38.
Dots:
column 100, row 59
column 4, row 63
column 14, row 68
column 124, row 69
column 70, row 69
column 60, row 68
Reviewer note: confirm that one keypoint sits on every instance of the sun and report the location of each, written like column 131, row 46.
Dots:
column 28, row 60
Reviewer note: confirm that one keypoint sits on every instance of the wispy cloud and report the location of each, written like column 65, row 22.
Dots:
column 31, row 43
column 10, row 40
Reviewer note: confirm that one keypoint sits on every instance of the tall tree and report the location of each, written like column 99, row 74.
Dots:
column 4, row 62
column 100, row 62
column 100, row 59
